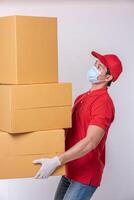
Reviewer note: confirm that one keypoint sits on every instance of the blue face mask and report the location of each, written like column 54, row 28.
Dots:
column 93, row 74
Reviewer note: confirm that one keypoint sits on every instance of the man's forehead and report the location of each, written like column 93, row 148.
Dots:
column 99, row 62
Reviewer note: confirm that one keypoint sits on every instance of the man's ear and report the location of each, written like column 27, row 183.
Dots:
column 109, row 78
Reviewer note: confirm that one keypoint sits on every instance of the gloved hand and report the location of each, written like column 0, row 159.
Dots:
column 48, row 166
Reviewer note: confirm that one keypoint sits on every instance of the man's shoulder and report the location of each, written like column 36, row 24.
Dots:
column 80, row 95
column 105, row 99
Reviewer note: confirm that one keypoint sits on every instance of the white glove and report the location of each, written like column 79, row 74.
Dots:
column 48, row 166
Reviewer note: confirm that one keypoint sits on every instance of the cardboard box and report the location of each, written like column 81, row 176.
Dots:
column 28, row 50
column 27, row 120
column 35, row 96
column 26, row 108
column 17, row 152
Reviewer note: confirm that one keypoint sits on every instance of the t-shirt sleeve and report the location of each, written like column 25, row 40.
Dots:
column 102, row 114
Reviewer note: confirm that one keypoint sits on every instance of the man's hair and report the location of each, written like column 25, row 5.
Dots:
column 108, row 73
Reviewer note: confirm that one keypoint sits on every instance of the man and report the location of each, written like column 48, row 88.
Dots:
column 92, row 114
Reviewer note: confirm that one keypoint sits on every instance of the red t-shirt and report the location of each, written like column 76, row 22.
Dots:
column 90, row 108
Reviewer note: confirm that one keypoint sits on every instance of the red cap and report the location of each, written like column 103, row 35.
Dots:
column 112, row 62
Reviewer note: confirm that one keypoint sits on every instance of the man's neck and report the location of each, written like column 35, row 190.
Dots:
column 97, row 86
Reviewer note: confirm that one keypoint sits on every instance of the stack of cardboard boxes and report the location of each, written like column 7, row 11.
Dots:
column 34, row 107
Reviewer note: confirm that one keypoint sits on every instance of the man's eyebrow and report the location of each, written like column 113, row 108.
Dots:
column 102, row 65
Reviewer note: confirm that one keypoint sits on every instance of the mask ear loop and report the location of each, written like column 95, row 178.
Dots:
column 99, row 81
column 109, row 73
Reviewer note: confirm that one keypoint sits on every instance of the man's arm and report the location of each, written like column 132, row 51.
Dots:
column 87, row 144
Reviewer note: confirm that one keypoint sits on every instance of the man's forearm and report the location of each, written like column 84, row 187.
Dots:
column 77, row 151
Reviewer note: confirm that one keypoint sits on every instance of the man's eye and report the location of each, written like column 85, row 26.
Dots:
column 100, row 66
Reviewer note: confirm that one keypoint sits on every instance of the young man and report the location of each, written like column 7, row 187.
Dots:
column 92, row 114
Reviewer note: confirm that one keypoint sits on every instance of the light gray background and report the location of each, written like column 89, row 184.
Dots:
column 83, row 26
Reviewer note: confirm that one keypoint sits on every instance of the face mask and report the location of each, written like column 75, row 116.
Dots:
column 93, row 74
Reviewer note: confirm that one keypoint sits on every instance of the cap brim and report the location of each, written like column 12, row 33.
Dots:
column 97, row 55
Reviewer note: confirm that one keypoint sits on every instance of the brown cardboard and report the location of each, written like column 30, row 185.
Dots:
column 22, row 167
column 27, row 120
column 39, row 142
column 35, row 96
column 18, row 152
column 28, row 50
column 26, row 108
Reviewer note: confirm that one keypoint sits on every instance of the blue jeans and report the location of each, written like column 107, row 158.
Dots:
column 71, row 190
